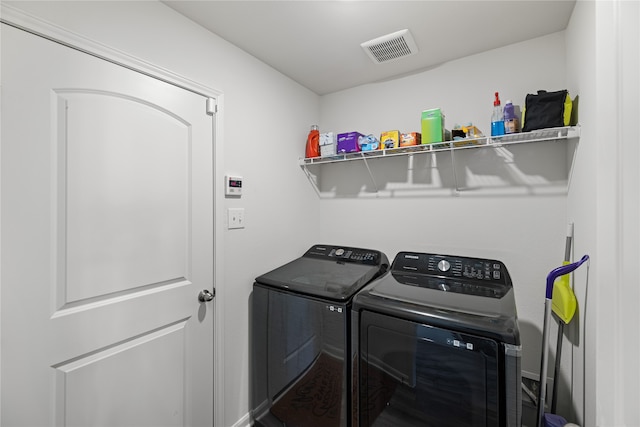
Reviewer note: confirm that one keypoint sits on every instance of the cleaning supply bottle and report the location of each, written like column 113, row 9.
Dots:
column 313, row 142
column 511, row 122
column 497, row 118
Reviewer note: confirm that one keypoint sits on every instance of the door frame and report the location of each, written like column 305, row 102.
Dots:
column 54, row 33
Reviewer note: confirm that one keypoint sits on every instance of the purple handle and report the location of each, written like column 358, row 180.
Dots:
column 561, row 271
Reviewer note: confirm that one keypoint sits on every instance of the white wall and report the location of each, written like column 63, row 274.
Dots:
column 266, row 118
column 582, row 208
column 521, row 222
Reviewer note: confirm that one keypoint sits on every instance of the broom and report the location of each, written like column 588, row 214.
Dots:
column 560, row 300
column 563, row 305
column 542, row 418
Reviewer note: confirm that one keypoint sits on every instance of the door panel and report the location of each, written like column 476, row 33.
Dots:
column 125, row 177
column 107, row 239
column 122, row 382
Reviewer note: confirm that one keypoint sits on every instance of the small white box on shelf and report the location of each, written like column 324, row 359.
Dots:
column 327, row 144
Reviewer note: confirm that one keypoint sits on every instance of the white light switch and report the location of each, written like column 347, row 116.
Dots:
column 235, row 218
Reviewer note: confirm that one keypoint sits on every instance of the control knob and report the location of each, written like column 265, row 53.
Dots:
column 444, row 265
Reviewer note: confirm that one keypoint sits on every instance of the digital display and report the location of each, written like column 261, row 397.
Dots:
column 233, row 185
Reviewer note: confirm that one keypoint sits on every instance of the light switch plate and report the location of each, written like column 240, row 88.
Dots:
column 235, row 218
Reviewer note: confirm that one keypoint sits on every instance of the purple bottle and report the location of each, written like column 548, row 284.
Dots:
column 511, row 122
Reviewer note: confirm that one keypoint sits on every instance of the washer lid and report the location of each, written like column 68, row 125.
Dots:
column 333, row 272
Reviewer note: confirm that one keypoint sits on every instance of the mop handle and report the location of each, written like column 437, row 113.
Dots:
column 561, row 271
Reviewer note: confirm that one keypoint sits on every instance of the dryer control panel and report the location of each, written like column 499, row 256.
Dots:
column 475, row 269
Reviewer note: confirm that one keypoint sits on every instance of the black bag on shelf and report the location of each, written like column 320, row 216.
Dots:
column 547, row 110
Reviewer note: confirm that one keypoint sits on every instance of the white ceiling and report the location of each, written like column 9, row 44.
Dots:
column 317, row 43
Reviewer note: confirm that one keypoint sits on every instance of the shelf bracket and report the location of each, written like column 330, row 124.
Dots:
column 370, row 174
column 311, row 179
column 455, row 173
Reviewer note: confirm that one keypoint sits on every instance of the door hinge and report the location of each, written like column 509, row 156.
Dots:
column 212, row 106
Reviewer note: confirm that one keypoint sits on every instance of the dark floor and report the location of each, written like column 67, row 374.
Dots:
column 528, row 412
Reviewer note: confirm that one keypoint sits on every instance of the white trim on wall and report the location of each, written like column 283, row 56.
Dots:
column 617, row 376
column 35, row 25
column 627, row 89
column 19, row 19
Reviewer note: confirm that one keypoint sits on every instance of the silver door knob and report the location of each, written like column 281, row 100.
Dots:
column 205, row 295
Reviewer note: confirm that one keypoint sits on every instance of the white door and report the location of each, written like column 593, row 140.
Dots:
column 107, row 241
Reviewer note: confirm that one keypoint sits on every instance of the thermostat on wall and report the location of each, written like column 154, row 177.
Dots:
column 233, row 185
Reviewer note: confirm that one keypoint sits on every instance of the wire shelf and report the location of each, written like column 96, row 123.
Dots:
column 550, row 134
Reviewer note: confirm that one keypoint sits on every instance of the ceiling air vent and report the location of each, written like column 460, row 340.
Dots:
column 392, row 46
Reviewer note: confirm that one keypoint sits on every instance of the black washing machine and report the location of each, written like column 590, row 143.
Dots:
column 301, row 337
column 437, row 345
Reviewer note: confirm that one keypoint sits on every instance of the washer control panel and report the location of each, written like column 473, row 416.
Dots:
column 347, row 254
column 485, row 270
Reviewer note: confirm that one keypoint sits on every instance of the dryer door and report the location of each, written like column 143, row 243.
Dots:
column 419, row 375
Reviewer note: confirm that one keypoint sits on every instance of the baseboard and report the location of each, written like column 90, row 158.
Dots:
column 243, row 422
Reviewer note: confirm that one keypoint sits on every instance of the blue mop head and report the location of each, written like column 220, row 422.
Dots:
column 552, row 420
